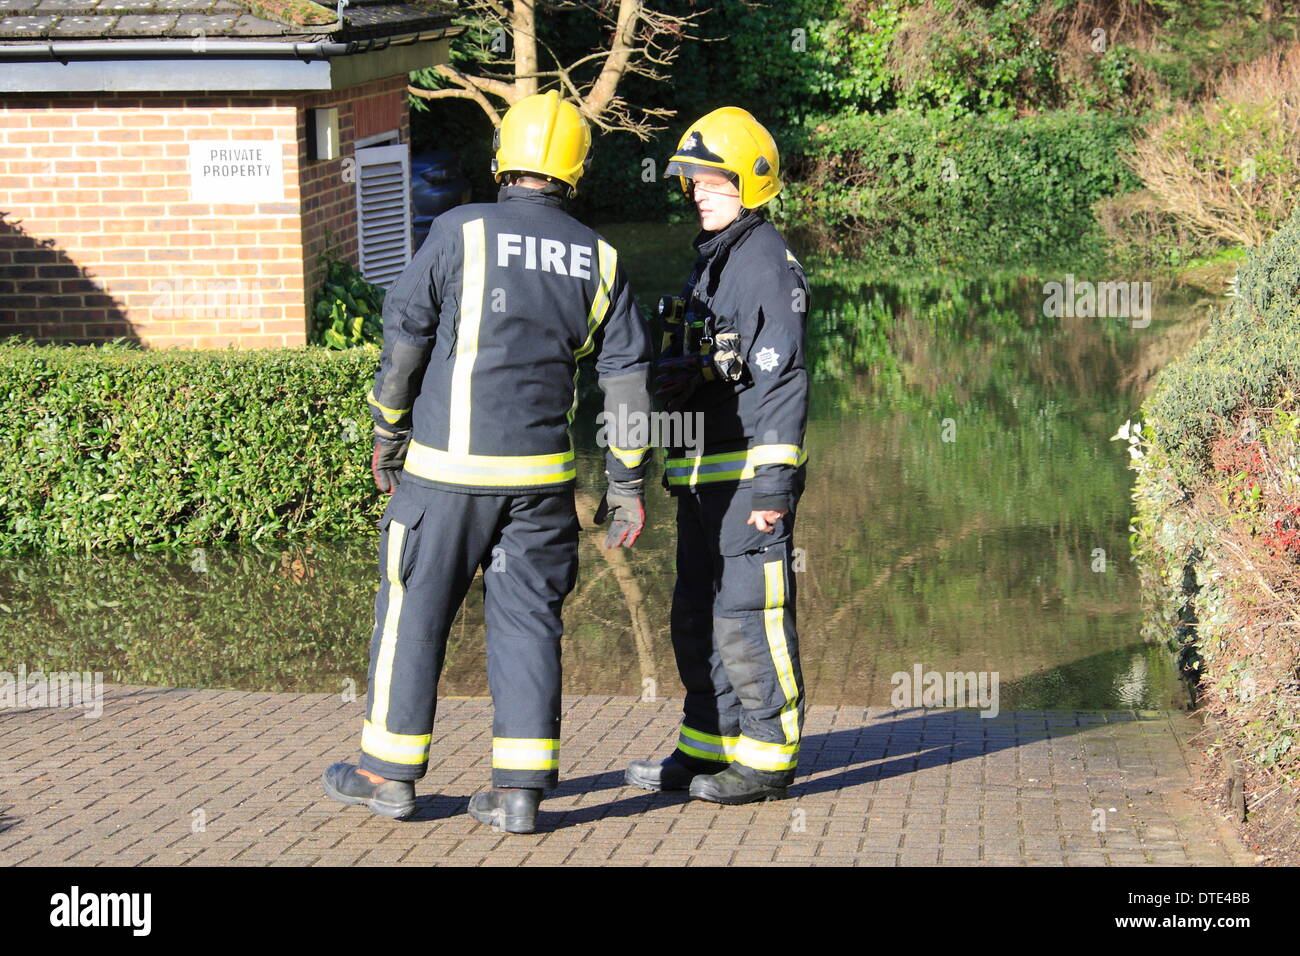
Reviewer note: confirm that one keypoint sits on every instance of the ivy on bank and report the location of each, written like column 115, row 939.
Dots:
column 964, row 188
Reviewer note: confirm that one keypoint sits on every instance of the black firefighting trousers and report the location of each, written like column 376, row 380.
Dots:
column 734, row 636
column 431, row 544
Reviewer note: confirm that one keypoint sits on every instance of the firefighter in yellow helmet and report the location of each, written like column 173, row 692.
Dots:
column 734, row 356
column 472, row 401
column 543, row 133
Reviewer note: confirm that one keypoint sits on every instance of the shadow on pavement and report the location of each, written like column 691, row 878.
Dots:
column 895, row 744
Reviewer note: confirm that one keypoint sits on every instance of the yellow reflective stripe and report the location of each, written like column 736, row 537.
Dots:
column 776, row 455
column 692, row 480
column 391, row 415
column 723, row 467
column 473, row 278
column 732, row 465
column 706, row 746
column 573, row 406
column 388, row 640
column 395, row 748
column 761, row 755
column 705, row 754
column 608, row 259
column 774, row 625
column 630, row 458
column 726, row 743
column 490, row 470
column 525, row 753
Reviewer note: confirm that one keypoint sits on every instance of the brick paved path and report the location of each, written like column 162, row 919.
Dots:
column 222, row 777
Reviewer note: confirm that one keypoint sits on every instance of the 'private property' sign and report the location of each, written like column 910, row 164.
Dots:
column 236, row 171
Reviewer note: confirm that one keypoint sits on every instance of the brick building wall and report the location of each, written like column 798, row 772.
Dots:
column 100, row 239
column 329, row 207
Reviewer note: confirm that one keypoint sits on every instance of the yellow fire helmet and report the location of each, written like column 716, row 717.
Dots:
column 730, row 139
column 544, row 135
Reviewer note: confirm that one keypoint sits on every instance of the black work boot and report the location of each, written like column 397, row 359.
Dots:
column 392, row 798
column 668, row 774
column 731, row 787
column 514, row 811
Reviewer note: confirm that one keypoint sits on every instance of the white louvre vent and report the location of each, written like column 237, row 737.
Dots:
column 384, row 212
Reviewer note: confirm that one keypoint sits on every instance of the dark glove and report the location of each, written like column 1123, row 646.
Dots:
column 676, row 379
column 389, row 457
column 624, row 503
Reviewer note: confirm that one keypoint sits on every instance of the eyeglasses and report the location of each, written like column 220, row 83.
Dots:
column 715, row 189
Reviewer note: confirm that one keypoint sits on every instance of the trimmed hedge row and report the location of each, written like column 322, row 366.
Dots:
column 1245, row 358
column 118, row 447
column 1213, row 511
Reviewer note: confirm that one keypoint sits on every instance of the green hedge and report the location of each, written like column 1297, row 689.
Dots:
column 1246, row 357
column 973, row 187
column 117, row 447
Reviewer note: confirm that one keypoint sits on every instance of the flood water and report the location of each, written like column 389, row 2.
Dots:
column 965, row 511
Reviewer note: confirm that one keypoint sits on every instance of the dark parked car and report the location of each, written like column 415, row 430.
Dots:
column 437, row 184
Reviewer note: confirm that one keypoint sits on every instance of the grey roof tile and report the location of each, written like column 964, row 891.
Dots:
column 21, row 20
column 79, row 26
column 212, row 26
column 28, row 26
column 126, row 6
column 68, row 6
column 145, row 25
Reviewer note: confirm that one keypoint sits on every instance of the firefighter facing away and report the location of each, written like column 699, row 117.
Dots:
column 734, row 355
column 472, row 403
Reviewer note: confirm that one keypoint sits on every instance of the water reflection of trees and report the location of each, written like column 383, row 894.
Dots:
column 971, row 554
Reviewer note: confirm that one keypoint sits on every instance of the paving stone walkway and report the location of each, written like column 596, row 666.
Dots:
column 167, row 777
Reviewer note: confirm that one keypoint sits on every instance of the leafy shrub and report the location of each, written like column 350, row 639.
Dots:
column 348, row 310
column 963, row 57
column 1228, row 168
column 1247, row 357
column 937, row 188
column 1217, row 524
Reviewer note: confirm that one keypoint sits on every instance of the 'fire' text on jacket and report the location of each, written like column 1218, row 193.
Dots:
column 551, row 258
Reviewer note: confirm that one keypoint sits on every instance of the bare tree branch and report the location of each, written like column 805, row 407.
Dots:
column 463, row 90
column 496, row 87
column 620, row 52
column 642, row 42
column 523, row 22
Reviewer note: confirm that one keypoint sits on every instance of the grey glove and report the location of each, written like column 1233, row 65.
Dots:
column 624, row 504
